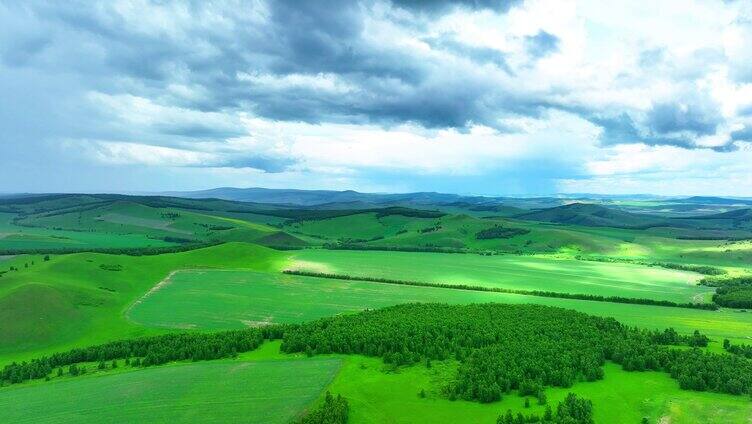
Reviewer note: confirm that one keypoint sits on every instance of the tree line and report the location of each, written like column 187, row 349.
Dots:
column 500, row 348
column 731, row 292
column 700, row 269
column 539, row 293
column 572, row 410
column 741, row 350
column 499, row 232
column 334, row 410
column 129, row 251
column 144, row 352
column 425, row 249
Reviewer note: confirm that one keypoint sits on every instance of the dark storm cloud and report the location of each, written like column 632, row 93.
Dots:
column 622, row 129
column 541, row 44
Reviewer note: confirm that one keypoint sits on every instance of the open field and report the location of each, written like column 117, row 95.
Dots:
column 621, row 397
column 79, row 299
column 379, row 393
column 510, row 271
column 209, row 392
column 235, row 299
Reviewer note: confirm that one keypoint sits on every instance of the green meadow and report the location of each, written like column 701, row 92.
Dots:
column 75, row 300
column 14, row 237
column 379, row 393
column 213, row 299
column 209, row 392
column 510, row 271
column 80, row 299
column 379, row 396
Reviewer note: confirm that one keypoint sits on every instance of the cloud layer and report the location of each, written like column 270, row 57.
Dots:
column 498, row 97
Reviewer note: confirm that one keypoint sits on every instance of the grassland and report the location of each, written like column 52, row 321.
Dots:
column 378, row 394
column 78, row 299
column 213, row 392
column 126, row 218
column 234, row 299
column 510, row 271
column 87, row 298
column 13, row 237
column 680, row 245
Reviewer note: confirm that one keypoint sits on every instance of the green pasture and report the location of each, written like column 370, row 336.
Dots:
column 377, row 396
column 131, row 218
column 378, row 393
column 13, row 237
column 510, row 271
column 212, row 299
column 80, row 299
column 208, row 392
column 458, row 231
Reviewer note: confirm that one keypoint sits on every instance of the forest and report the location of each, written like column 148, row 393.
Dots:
column 497, row 355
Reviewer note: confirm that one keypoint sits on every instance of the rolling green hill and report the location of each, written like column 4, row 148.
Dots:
column 81, row 222
column 592, row 215
column 216, row 271
column 81, row 298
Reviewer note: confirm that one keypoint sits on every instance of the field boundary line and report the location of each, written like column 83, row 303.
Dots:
column 539, row 293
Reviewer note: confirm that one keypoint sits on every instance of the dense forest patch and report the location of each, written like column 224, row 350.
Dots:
column 499, row 232
column 732, row 292
column 517, row 347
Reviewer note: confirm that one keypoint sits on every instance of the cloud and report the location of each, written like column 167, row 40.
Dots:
column 674, row 117
column 541, row 44
column 349, row 91
column 744, row 134
column 685, row 122
column 479, row 54
column 442, row 6
column 117, row 153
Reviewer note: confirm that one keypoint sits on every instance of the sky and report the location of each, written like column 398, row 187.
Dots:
column 472, row 96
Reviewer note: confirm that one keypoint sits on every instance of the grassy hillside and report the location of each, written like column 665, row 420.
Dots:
column 80, row 298
column 460, row 232
column 592, row 247
column 592, row 215
column 114, row 221
column 215, row 392
column 732, row 224
column 17, row 238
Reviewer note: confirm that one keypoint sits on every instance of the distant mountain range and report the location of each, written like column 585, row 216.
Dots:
column 297, row 197
column 592, row 215
column 322, row 197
